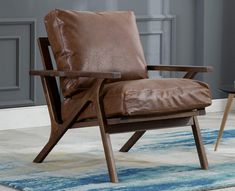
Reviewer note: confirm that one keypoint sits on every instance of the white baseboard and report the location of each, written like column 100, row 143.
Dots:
column 37, row 116
column 218, row 105
column 23, row 117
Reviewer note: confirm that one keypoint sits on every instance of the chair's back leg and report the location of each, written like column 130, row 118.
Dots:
column 131, row 142
column 54, row 138
column 137, row 135
column 59, row 130
column 199, row 144
column 52, row 96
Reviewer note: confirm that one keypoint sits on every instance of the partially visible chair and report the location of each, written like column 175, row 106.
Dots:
column 104, row 82
column 230, row 90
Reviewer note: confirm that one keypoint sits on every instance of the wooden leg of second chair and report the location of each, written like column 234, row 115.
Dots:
column 225, row 116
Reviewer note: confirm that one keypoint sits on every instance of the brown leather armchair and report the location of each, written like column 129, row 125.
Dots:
column 104, row 82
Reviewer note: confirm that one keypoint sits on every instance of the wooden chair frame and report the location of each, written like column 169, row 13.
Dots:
column 108, row 126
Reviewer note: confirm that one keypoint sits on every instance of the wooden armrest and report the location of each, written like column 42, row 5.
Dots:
column 181, row 68
column 76, row 74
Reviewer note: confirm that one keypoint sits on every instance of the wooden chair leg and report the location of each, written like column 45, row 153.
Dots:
column 109, row 155
column 108, row 151
column 54, row 139
column 130, row 143
column 223, row 122
column 199, row 144
column 58, row 130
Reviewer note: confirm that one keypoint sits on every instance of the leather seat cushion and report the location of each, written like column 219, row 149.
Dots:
column 147, row 96
column 95, row 42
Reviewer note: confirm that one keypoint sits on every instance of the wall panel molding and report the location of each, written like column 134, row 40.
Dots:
column 17, row 64
column 165, row 7
column 166, row 31
column 23, row 32
column 147, row 18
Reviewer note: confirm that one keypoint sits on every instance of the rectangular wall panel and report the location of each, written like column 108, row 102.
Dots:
column 9, row 54
column 157, row 37
column 17, row 53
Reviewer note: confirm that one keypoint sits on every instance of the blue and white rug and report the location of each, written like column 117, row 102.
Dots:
column 164, row 160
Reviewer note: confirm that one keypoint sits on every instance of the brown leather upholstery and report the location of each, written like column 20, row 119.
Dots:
column 88, row 41
column 147, row 96
column 109, row 42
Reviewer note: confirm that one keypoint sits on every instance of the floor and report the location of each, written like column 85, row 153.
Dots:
column 3, row 188
column 210, row 120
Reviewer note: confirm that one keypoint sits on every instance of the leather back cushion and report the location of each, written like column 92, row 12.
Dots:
column 98, row 42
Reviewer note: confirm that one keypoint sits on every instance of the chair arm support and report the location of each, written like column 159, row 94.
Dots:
column 75, row 74
column 181, row 68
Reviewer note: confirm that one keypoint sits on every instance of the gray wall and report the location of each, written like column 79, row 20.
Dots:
column 188, row 32
column 207, row 37
column 184, row 10
column 227, row 67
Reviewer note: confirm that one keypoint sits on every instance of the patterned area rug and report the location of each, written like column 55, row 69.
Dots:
column 164, row 160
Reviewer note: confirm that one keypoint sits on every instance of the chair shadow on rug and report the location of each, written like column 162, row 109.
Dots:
column 104, row 82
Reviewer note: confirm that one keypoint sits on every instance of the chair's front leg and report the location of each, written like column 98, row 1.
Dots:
column 104, row 135
column 199, row 144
